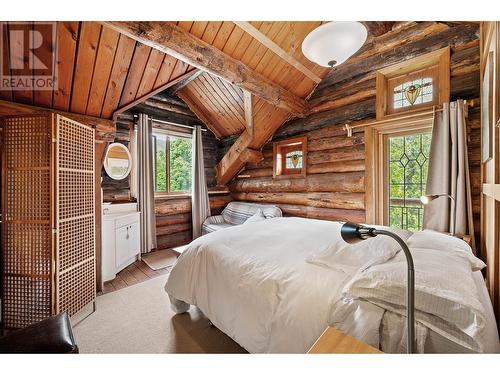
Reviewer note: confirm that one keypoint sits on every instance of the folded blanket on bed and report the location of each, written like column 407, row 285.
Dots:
column 446, row 299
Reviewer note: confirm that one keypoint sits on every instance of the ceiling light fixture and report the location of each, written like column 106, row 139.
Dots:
column 333, row 43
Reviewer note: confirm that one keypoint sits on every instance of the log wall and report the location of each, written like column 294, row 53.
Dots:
column 173, row 218
column 334, row 187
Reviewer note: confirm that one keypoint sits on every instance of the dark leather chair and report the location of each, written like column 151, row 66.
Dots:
column 52, row 335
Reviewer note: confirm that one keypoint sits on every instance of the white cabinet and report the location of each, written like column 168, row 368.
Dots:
column 120, row 240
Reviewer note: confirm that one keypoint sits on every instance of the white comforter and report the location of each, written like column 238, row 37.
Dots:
column 255, row 283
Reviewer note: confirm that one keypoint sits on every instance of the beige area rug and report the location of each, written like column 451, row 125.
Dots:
column 138, row 319
column 160, row 259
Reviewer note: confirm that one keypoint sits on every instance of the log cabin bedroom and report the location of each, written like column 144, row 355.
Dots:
column 250, row 187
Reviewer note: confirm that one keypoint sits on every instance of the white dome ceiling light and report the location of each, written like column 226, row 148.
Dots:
column 333, row 43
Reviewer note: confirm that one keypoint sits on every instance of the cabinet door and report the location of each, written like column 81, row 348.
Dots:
column 134, row 239
column 122, row 240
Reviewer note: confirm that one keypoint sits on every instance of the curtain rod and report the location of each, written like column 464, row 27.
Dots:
column 172, row 123
column 348, row 128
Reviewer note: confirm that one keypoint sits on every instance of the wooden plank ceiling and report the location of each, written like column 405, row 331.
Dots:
column 220, row 104
column 99, row 71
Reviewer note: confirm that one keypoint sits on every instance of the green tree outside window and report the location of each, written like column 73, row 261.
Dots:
column 408, row 166
column 173, row 175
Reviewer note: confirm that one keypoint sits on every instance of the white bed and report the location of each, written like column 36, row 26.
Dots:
column 256, row 283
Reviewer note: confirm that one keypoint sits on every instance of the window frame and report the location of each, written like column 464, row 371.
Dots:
column 167, row 133
column 280, row 149
column 435, row 65
column 377, row 163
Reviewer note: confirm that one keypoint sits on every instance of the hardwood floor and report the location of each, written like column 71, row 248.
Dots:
column 136, row 273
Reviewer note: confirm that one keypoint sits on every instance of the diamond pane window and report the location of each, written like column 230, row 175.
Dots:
column 293, row 160
column 416, row 91
column 408, row 166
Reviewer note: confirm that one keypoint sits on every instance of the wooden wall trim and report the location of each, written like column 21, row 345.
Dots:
column 492, row 191
column 490, row 170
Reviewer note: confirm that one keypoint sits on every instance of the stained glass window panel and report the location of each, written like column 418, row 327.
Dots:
column 417, row 91
column 293, row 160
column 408, row 166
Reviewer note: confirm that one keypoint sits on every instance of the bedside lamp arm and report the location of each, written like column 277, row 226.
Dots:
column 410, row 290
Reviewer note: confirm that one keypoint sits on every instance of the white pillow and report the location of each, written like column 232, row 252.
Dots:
column 360, row 256
column 258, row 216
column 430, row 239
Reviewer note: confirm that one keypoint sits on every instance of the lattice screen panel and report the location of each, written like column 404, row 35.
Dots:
column 26, row 232
column 46, row 185
column 75, row 253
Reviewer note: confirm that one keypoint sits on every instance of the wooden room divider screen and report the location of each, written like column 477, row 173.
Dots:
column 48, row 210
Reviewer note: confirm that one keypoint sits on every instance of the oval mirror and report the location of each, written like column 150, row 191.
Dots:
column 118, row 161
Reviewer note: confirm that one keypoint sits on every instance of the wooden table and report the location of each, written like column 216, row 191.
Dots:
column 333, row 341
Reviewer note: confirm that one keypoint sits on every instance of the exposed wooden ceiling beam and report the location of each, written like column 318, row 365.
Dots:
column 177, row 42
column 377, row 28
column 237, row 156
column 264, row 40
column 232, row 162
column 180, row 79
column 165, row 106
column 179, row 86
column 248, row 108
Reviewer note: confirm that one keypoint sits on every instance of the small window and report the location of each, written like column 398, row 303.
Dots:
column 289, row 157
column 414, row 84
column 172, row 163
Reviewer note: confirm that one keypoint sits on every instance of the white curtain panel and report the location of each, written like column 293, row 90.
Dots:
column 199, row 195
column 449, row 173
column 146, row 197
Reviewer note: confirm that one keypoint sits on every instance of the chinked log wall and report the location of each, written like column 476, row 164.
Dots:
column 334, row 187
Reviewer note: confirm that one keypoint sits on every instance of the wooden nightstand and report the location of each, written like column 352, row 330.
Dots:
column 333, row 341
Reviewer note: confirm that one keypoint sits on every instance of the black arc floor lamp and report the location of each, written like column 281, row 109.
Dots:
column 352, row 233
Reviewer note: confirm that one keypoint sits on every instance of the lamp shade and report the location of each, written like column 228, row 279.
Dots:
column 350, row 233
column 426, row 199
column 333, row 43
